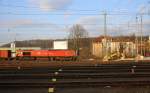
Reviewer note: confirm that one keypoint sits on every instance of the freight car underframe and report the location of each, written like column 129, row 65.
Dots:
column 56, row 58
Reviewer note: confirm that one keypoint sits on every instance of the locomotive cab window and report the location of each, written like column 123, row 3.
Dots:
column 26, row 53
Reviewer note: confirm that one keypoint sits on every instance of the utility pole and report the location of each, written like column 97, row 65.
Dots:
column 148, row 7
column 137, row 30
column 105, row 25
column 141, row 34
column 105, row 36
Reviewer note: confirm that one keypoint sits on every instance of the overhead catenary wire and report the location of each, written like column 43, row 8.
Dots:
column 101, row 13
column 72, row 10
column 49, row 24
column 31, row 7
column 13, row 13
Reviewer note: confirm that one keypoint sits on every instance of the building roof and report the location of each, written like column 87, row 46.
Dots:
column 119, row 38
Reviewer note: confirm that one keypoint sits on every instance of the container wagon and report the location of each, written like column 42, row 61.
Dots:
column 5, row 54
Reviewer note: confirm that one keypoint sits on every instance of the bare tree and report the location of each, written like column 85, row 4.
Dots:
column 76, row 35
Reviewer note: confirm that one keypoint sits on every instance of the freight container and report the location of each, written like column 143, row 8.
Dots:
column 5, row 54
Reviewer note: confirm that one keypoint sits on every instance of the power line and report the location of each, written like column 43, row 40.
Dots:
column 46, row 24
column 79, row 10
column 11, row 13
column 9, row 5
column 125, row 14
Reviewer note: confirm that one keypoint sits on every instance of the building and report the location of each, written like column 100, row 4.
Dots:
column 97, row 49
column 113, row 47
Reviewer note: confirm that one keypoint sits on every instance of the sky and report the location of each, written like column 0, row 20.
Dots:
column 52, row 19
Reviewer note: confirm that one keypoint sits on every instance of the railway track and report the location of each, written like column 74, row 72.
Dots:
column 77, row 84
column 76, row 76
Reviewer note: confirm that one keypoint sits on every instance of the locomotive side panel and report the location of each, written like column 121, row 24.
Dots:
column 61, row 53
column 39, row 53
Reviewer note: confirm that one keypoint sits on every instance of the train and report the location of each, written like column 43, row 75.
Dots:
column 51, row 55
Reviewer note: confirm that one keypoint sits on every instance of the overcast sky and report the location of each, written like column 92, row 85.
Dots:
column 44, row 19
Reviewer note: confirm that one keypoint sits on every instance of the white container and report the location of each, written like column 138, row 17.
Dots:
column 60, row 45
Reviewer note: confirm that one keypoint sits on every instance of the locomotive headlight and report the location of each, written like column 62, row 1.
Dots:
column 19, row 53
